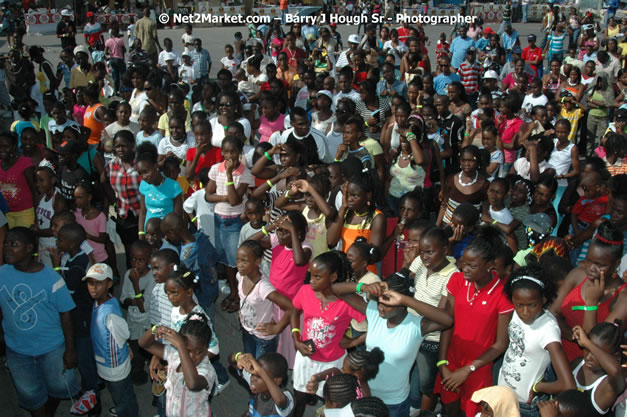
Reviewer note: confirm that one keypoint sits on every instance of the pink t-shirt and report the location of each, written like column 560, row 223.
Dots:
column 507, row 131
column 325, row 327
column 285, row 275
column 115, row 46
column 14, row 187
column 94, row 227
column 255, row 307
column 267, row 128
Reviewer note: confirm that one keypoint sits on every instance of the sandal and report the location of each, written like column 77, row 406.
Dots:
column 230, row 304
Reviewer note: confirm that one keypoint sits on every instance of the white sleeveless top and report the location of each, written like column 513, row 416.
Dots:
column 44, row 213
column 592, row 388
column 561, row 161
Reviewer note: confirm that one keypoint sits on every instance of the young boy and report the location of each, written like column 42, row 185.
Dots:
column 136, row 293
column 148, row 133
column 590, row 206
column 109, row 335
column 230, row 62
column 266, row 377
column 199, row 210
column 56, row 223
column 186, row 70
column 254, row 211
column 535, row 96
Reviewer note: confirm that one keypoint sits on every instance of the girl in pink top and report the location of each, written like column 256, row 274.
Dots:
column 271, row 119
column 93, row 221
column 509, row 125
column 257, row 298
column 17, row 183
column 326, row 318
column 290, row 260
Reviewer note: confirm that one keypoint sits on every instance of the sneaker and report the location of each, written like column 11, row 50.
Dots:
column 84, row 404
column 414, row 412
column 221, row 387
column 113, row 412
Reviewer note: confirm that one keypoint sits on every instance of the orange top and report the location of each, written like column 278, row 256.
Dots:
column 96, row 126
column 283, row 4
column 350, row 233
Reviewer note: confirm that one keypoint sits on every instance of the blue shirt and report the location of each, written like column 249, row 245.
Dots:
column 200, row 62
column 441, row 82
column 155, row 138
column 399, row 86
column 459, row 46
column 508, row 43
column 31, row 303
column 200, row 257
column 400, row 345
column 481, row 43
column 159, row 200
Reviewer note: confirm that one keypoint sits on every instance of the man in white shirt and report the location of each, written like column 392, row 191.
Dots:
column 314, row 142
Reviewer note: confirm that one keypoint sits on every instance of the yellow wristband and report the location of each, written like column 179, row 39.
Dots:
column 264, row 231
column 534, row 387
column 154, row 328
column 495, row 221
column 295, row 330
column 287, row 194
column 58, row 268
column 269, row 183
column 237, row 356
column 140, row 295
column 230, row 183
column 194, row 219
column 141, row 233
column 442, row 362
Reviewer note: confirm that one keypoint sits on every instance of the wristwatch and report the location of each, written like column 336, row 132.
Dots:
column 472, row 367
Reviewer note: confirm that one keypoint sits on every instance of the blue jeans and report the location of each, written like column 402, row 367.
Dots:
column 256, row 346
column 123, row 396
column 399, row 410
column 227, row 239
column 86, row 364
column 38, row 377
column 118, row 68
column 524, row 12
column 423, row 373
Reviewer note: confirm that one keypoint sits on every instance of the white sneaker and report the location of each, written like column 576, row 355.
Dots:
column 413, row 412
column 221, row 387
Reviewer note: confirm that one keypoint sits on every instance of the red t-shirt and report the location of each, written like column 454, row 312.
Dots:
column 589, row 210
column 204, row 161
column 529, row 54
column 403, row 34
column 295, row 56
column 324, row 327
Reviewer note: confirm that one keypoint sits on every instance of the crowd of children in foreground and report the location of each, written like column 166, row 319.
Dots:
column 363, row 238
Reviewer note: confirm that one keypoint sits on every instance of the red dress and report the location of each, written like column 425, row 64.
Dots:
column 575, row 317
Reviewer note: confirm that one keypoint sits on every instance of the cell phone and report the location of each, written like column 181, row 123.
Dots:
column 311, row 344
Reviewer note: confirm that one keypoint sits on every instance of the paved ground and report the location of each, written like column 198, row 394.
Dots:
column 233, row 401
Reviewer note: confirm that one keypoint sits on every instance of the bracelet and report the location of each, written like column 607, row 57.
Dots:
column 466, row 134
column 295, row 330
column 534, row 387
column 585, row 308
column 495, row 221
column 366, row 123
column 287, row 194
column 410, row 136
column 358, row 289
column 194, row 219
column 154, row 328
column 237, row 356
column 269, row 183
column 140, row 295
column 264, row 231
column 267, row 156
column 141, row 233
column 336, row 160
column 230, row 183
column 442, row 362
column 58, row 268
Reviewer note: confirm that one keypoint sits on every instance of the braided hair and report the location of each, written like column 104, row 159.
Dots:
column 610, row 238
column 336, row 262
column 609, row 334
column 369, row 252
column 366, row 362
column 340, row 389
column 183, row 277
column 368, row 181
column 401, row 282
column 196, row 326
column 369, row 407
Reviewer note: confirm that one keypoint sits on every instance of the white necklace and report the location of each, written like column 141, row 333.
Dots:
column 459, row 178
column 571, row 84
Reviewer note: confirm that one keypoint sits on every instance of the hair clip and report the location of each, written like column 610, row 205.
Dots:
column 365, row 170
column 359, row 392
column 528, row 278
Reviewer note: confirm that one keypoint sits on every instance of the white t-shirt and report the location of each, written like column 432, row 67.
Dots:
column 522, row 166
column 496, row 156
column 526, row 357
column 530, row 102
column 162, row 62
column 166, row 145
column 120, row 333
column 502, row 216
column 230, row 64
column 255, row 308
column 218, row 130
column 396, row 51
column 187, row 74
column 204, row 212
column 187, row 38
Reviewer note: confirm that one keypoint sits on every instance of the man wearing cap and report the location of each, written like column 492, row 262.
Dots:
column 146, row 32
column 491, row 81
column 459, row 46
column 483, row 42
column 345, row 58
column 92, row 31
column 81, row 74
column 66, row 29
column 532, row 54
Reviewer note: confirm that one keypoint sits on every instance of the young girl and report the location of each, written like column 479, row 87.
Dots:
column 204, row 155
column 318, row 346
column 599, row 372
column 123, row 122
column 290, row 260
column 148, row 133
column 51, row 202
column 228, row 185
column 432, row 271
column 93, row 220
column 17, row 183
column 257, row 300
column 534, row 340
column 178, row 142
column 479, row 335
column 31, row 147
column 190, row 377
column 495, row 210
column 271, row 119
column 229, row 62
column 489, row 135
column 351, row 146
column 406, row 172
column 315, row 209
column 358, row 215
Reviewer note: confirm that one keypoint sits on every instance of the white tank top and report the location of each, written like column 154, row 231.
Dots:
column 44, row 213
column 592, row 388
column 561, row 161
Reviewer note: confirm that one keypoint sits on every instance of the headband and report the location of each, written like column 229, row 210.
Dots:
column 528, row 278
column 609, row 242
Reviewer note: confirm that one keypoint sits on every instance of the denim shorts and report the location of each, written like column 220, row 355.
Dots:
column 38, row 377
column 227, row 238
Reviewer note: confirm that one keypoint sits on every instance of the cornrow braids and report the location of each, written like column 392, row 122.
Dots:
column 336, row 262
column 610, row 334
column 254, row 246
column 341, row 389
column 366, row 361
column 483, row 247
column 401, row 282
column 610, row 238
column 183, row 277
column 369, row 407
column 196, row 326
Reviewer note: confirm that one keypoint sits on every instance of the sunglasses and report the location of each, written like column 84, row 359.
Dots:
column 225, row 104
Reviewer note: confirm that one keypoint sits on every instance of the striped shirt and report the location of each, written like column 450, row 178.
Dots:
column 160, row 307
column 470, row 76
column 556, row 45
column 430, row 289
column 240, row 176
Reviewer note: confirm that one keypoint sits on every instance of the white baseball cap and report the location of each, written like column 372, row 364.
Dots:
column 353, row 38
column 490, row 75
column 66, row 12
column 99, row 272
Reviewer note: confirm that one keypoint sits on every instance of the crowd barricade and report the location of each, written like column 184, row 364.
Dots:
column 45, row 21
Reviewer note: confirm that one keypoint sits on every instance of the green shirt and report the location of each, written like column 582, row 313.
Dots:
column 596, row 112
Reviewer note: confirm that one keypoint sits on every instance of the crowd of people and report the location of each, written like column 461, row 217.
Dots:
column 396, row 236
